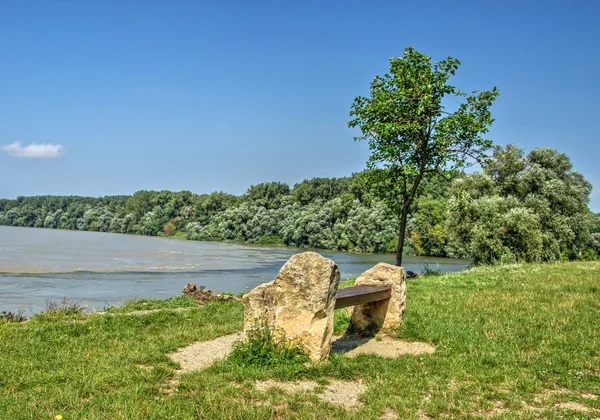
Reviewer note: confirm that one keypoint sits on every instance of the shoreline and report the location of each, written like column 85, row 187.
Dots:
column 231, row 242
column 485, row 327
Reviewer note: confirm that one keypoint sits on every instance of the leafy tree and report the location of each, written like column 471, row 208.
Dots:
column 367, row 229
column 267, row 194
column 426, row 226
column 523, row 208
column 325, row 189
column 208, row 205
column 411, row 133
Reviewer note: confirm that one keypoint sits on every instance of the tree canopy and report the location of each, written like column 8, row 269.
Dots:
column 413, row 134
column 522, row 209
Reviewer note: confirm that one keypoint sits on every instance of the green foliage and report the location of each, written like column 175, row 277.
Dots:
column 310, row 190
column 428, row 271
column 411, row 133
column 170, row 227
column 426, row 226
column 337, row 219
column 64, row 310
column 341, row 321
column 521, row 209
column 152, row 304
column 267, row 195
column 8, row 316
column 342, row 317
column 262, row 349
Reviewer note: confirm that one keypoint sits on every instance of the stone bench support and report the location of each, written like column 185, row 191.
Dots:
column 384, row 316
column 298, row 306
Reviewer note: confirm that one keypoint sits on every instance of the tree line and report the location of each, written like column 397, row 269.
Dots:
column 519, row 208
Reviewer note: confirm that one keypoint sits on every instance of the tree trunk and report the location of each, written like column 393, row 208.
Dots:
column 401, row 235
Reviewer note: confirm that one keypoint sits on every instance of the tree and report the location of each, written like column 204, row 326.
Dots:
column 411, row 134
column 313, row 189
column 521, row 209
column 267, row 194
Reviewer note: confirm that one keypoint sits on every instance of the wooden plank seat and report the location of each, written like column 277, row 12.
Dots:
column 359, row 295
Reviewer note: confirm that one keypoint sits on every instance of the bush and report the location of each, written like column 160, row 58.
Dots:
column 523, row 209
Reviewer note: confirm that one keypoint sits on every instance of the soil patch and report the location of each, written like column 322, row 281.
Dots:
column 553, row 395
column 290, row 387
column 422, row 415
column 352, row 346
column 497, row 409
column 570, row 405
column 198, row 356
column 201, row 355
column 389, row 414
column 549, row 393
column 343, row 393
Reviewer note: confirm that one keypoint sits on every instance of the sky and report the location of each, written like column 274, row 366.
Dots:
column 111, row 97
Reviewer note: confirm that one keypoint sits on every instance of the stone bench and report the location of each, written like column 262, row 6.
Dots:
column 298, row 305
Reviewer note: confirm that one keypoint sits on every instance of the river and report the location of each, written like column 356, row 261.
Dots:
column 103, row 269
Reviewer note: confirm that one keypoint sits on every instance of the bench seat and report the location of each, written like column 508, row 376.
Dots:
column 359, row 295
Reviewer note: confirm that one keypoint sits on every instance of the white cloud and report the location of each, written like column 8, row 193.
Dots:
column 34, row 150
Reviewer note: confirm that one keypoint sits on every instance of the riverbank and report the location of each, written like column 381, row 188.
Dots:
column 516, row 341
column 104, row 269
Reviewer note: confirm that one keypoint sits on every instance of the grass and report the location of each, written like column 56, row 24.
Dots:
column 177, row 235
column 8, row 316
column 153, row 304
column 62, row 311
column 262, row 350
column 505, row 336
column 341, row 320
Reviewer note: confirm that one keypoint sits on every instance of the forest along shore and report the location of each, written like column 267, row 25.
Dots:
column 509, row 212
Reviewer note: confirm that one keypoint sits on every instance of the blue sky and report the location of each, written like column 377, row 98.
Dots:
column 220, row 95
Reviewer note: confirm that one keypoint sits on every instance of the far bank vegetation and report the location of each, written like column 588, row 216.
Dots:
column 519, row 208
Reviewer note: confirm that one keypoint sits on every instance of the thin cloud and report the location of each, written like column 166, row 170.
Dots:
column 34, row 150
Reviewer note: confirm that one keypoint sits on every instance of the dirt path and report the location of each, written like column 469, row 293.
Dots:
column 201, row 355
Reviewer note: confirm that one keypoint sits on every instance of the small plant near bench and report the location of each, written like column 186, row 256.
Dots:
column 261, row 349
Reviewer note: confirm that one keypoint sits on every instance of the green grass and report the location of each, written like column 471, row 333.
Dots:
column 62, row 311
column 154, row 304
column 178, row 235
column 504, row 336
column 261, row 350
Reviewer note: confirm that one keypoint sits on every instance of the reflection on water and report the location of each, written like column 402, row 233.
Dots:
column 102, row 269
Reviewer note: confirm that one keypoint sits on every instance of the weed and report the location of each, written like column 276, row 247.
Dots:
column 431, row 271
column 66, row 307
column 9, row 316
column 60, row 311
column 263, row 349
column 341, row 320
